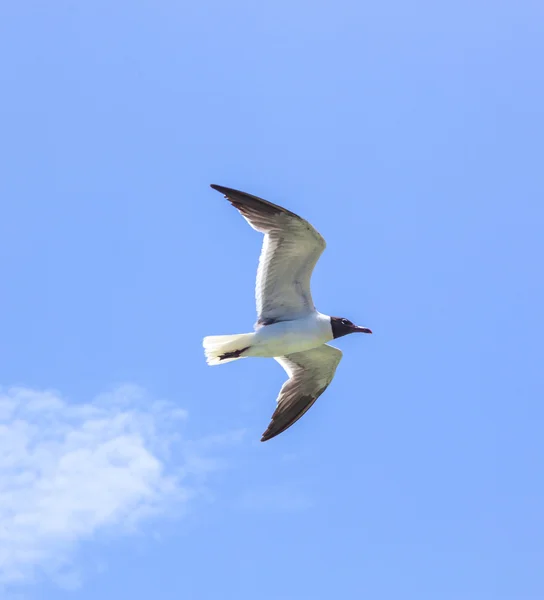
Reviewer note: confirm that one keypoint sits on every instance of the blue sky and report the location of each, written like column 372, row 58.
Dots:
column 411, row 136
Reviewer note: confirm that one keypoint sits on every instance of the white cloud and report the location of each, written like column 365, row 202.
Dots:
column 70, row 471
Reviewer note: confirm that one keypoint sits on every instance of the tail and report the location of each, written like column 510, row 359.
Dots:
column 225, row 348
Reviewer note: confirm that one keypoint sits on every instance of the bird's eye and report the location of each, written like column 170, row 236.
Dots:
column 345, row 322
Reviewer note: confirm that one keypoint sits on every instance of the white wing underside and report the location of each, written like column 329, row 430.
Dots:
column 288, row 257
column 310, row 373
column 290, row 251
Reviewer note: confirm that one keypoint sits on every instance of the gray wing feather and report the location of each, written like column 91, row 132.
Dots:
column 310, row 373
column 290, row 251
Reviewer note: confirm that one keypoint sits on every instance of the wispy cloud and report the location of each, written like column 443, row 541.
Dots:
column 69, row 471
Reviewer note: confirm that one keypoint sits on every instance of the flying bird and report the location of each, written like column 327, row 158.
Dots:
column 289, row 328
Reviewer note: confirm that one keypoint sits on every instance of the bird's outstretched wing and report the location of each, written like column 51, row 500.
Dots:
column 310, row 372
column 291, row 249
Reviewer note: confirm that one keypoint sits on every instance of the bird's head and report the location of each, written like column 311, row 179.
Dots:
column 342, row 327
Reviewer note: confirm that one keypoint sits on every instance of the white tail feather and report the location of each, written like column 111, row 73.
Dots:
column 217, row 345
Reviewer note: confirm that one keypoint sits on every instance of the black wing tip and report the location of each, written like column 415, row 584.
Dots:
column 223, row 190
column 238, row 198
column 276, row 426
column 231, row 194
column 272, row 432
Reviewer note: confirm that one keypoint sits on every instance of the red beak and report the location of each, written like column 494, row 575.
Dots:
column 362, row 329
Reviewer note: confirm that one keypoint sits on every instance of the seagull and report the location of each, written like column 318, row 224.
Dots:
column 288, row 328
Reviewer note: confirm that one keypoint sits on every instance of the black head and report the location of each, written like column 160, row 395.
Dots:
column 342, row 327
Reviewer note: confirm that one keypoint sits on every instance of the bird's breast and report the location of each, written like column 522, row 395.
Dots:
column 288, row 337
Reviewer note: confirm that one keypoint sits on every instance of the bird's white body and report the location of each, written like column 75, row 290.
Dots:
column 287, row 337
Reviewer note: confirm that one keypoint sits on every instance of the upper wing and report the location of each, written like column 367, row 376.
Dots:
column 291, row 248
column 310, row 373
